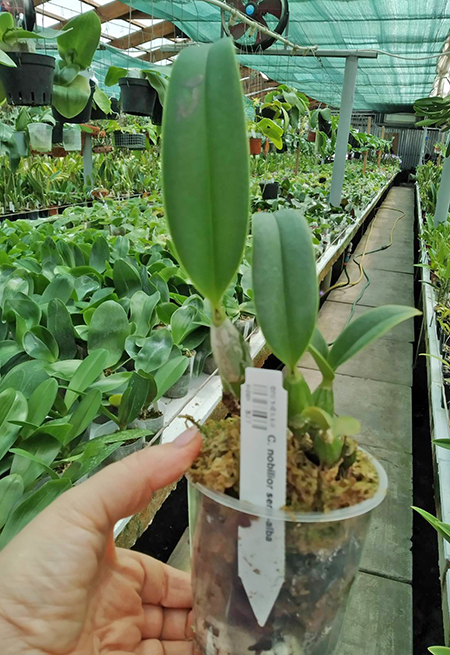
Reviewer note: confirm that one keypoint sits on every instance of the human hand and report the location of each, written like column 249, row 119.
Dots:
column 65, row 589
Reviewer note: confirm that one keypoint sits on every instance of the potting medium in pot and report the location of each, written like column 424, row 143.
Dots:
column 322, row 552
column 40, row 136
column 31, row 83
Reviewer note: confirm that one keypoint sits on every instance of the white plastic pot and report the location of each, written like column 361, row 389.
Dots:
column 322, row 552
column 40, row 136
column 21, row 143
column 181, row 387
column 71, row 139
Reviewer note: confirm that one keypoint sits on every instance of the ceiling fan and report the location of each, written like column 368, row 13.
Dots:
column 272, row 14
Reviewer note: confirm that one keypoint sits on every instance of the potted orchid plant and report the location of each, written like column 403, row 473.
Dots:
column 332, row 483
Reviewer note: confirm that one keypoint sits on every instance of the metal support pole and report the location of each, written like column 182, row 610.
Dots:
column 383, row 132
column 422, row 147
column 87, row 160
column 366, row 154
column 443, row 199
column 345, row 118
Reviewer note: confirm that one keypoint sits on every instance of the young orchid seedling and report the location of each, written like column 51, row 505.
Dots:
column 206, row 189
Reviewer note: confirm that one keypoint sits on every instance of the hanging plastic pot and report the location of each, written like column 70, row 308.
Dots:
column 322, row 552
column 72, row 139
column 270, row 190
column 157, row 112
column 21, row 143
column 40, row 136
column 83, row 117
column 31, row 83
column 255, row 145
column 130, row 141
column 137, row 96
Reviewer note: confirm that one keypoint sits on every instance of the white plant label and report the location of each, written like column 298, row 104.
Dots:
column 261, row 562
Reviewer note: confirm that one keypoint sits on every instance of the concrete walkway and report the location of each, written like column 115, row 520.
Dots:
column 375, row 387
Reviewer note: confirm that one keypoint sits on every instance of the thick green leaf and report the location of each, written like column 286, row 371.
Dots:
column 442, row 528
column 13, row 407
column 285, row 282
column 99, row 254
column 72, row 98
column 8, row 350
column 39, row 343
column 34, row 457
column 155, row 351
column 64, row 370
column 159, row 83
column 5, row 60
column 11, row 489
column 439, row 650
column 365, row 329
column 444, row 443
column 112, row 382
column 206, row 165
column 169, row 373
column 58, row 428
column 126, row 279
column 30, row 507
column 29, row 311
column 142, row 308
column 81, row 39
column 182, row 323
column 89, row 370
column 165, row 310
column 25, row 377
column 59, row 323
column 40, row 403
column 108, row 329
column 114, row 74
column 102, row 101
column 85, row 412
column 272, row 131
column 140, row 392
column 60, row 287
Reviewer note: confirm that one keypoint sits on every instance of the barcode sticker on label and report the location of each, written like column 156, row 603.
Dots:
column 263, row 483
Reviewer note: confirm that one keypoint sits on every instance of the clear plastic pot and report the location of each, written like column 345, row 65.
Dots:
column 72, row 139
column 322, row 555
column 40, row 136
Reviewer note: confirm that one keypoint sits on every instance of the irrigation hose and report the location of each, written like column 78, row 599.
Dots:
column 358, row 259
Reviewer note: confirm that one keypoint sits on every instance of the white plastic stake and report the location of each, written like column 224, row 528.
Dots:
column 261, row 560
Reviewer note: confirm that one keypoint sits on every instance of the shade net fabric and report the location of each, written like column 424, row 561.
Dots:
column 411, row 28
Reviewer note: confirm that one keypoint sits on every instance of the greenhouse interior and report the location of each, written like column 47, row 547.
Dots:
column 224, row 310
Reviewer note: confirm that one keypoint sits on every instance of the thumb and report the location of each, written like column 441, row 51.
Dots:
column 126, row 487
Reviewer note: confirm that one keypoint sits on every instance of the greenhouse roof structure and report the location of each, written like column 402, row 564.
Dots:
column 412, row 32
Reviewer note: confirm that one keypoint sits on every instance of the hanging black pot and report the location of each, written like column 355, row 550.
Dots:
column 267, row 112
column 270, row 190
column 57, row 134
column 157, row 113
column 83, row 117
column 98, row 115
column 138, row 97
column 31, row 83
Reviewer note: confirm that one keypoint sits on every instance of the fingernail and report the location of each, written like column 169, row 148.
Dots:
column 185, row 438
